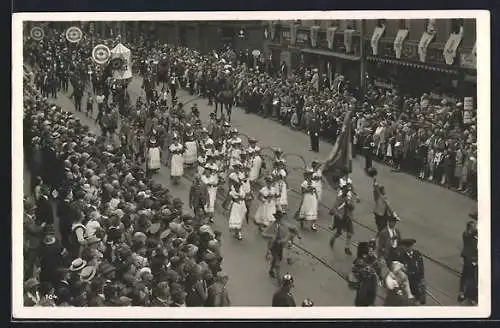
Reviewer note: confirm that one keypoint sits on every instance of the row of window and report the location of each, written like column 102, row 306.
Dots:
column 354, row 24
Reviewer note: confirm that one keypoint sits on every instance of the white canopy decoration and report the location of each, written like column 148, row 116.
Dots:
column 120, row 51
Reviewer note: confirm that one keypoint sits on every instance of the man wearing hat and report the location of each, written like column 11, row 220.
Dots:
column 388, row 239
column 283, row 297
column 51, row 256
column 217, row 293
column 31, row 293
column 198, row 197
column 279, row 235
column 313, row 131
column 414, row 264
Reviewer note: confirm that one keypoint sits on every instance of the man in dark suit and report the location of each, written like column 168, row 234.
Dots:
column 414, row 263
column 388, row 239
column 468, row 278
column 313, row 131
column 283, row 297
column 198, row 197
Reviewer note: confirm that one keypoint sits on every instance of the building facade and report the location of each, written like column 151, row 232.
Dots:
column 413, row 53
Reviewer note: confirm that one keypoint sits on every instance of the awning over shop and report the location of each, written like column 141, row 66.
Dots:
column 330, row 54
column 412, row 64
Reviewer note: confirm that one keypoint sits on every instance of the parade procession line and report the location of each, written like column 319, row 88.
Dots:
column 442, row 281
column 316, row 243
column 245, row 262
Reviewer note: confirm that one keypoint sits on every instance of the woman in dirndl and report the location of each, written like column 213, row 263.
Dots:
column 153, row 156
column 317, row 178
column 265, row 212
column 237, row 210
column 308, row 210
column 177, row 160
column 280, row 174
column 211, row 180
column 190, row 147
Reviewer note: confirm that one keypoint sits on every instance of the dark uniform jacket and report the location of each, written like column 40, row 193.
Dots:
column 283, row 298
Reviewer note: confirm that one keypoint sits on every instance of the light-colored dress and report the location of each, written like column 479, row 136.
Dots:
column 191, row 152
column 309, row 207
column 154, row 162
column 254, row 173
column 211, row 181
column 267, row 207
column 238, row 208
column 177, row 160
column 318, row 183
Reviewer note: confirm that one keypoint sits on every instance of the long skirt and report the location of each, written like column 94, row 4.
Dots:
column 191, row 153
column 177, row 165
column 212, row 196
column 237, row 214
column 309, row 208
column 265, row 213
column 283, row 199
column 154, row 158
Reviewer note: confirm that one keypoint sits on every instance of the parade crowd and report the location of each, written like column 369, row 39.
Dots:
column 123, row 239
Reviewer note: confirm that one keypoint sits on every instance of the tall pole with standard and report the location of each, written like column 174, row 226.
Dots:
column 362, row 55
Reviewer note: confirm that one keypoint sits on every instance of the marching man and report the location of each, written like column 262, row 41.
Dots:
column 177, row 159
column 343, row 215
column 308, row 210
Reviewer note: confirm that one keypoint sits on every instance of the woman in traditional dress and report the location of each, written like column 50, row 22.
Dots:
column 153, row 156
column 308, row 210
column 237, row 210
column 190, row 147
column 177, row 160
column 256, row 167
column 211, row 179
column 280, row 174
column 317, row 178
column 265, row 212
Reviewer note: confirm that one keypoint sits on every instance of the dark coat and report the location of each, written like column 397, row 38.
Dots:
column 283, row 299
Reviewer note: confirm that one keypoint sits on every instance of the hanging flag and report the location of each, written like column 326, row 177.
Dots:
column 330, row 36
column 348, row 40
column 314, row 36
column 340, row 157
column 425, row 40
column 293, row 33
column 377, row 34
column 451, row 46
column 398, row 42
column 272, row 28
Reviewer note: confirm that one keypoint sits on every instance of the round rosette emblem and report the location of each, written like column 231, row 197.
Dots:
column 101, row 54
column 74, row 34
column 37, row 33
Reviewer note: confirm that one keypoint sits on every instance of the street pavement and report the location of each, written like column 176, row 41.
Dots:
column 432, row 215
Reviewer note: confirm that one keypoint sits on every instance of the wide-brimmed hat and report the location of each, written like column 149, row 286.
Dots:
column 87, row 273
column 106, row 268
column 77, row 264
column 31, row 283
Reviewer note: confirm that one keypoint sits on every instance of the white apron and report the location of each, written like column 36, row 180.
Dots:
column 309, row 207
column 177, row 161
column 318, row 184
column 267, row 207
column 191, row 152
column 211, row 182
column 238, row 209
column 254, row 173
column 154, row 162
